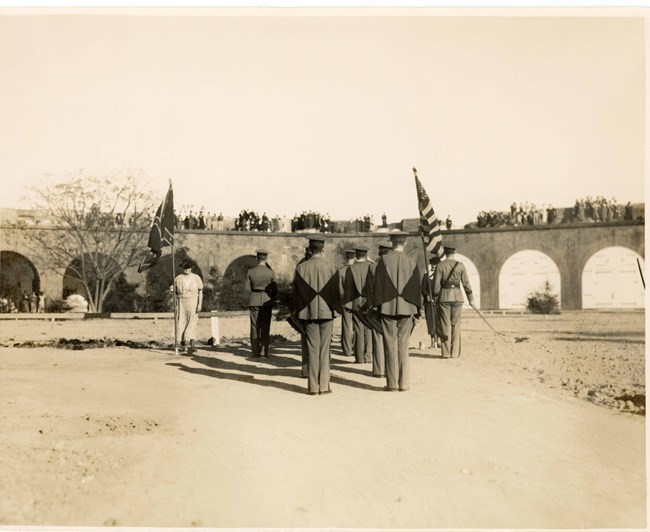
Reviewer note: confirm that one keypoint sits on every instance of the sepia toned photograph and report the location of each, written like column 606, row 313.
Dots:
column 322, row 267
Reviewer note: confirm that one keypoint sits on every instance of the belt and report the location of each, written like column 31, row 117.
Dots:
column 451, row 285
column 258, row 290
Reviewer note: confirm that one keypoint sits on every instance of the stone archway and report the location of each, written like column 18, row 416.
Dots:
column 611, row 279
column 233, row 294
column 525, row 272
column 19, row 276
column 474, row 278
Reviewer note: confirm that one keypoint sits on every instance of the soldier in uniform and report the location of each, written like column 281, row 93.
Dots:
column 354, row 287
column 304, row 353
column 261, row 280
column 378, row 359
column 450, row 275
column 396, row 293
column 429, row 306
column 346, row 307
column 316, row 290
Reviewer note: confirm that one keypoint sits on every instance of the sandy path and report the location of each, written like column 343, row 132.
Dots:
column 136, row 437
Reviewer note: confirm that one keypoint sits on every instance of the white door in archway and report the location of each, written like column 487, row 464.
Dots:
column 474, row 279
column 523, row 273
column 611, row 279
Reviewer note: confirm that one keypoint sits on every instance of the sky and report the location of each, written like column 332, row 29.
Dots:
column 281, row 111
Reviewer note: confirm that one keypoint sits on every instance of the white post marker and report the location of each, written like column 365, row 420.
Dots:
column 214, row 323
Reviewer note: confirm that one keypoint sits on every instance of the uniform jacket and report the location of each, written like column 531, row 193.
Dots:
column 396, row 285
column 316, row 289
column 354, row 285
column 347, row 287
column 261, row 280
column 447, row 289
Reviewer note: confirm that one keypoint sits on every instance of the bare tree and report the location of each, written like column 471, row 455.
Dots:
column 98, row 228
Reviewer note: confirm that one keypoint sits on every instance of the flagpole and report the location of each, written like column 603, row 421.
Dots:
column 426, row 265
column 174, row 289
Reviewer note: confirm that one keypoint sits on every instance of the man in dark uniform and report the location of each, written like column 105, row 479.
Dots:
column 304, row 353
column 316, row 290
column 378, row 358
column 429, row 306
column 450, row 275
column 346, row 307
column 354, row 288
column 396, row 293
column 261, row 280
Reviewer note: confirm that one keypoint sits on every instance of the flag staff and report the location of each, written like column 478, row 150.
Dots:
column 174, row 284
column 424, row 249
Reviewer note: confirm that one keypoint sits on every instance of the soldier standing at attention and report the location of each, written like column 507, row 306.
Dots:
column 429, row 306
column 316, row 290
column 355, row 282
column 378, row 358
column 450, row 275
column 263, row 288
column 346, row 307
column 303, row 338
column 396, row 293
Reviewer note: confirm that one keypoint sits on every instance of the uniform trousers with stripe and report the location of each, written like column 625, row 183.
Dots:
column 260, row 328
column 319, row 340
column 397, row 333
column 449, row 315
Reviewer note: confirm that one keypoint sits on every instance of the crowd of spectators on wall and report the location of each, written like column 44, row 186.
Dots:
column 252, row 221
column 310, row 221
column 585, row 210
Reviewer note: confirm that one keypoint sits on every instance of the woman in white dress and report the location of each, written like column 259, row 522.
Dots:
column 188, row 289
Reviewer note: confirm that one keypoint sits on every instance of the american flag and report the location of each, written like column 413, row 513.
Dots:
column 428, row 220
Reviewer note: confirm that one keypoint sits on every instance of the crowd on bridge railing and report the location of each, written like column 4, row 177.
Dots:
column 586, row 210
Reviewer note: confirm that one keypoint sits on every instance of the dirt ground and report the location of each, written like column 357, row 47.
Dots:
column 542, row 429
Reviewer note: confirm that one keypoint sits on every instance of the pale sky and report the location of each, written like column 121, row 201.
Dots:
column 282, row 114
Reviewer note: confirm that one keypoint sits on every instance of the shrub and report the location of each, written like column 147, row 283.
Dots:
column 543, row 301
column 57, row 305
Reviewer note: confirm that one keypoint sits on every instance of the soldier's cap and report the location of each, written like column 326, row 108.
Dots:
column 361, row 248
column 316, row 241
column 434, row 259
column 385, row 245
column 449, row 249
column 261, row 252
column 397, row 236
column 349, row 252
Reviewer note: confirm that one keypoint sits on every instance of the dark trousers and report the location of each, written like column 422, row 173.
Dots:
column 362, row 341
column 346, row 332
column 260, row 329
column 397, row 333
column 378, row 359
column 449, row 314
column 319, row 340
column 304, row 352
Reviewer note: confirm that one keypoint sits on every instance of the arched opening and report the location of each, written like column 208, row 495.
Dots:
column 611, row 279
column 121, row 297
column 474, row 278
column 19, row 282
column 523, row 273
column 233, row 294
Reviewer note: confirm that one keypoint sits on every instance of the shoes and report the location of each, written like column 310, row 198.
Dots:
column 323, row 393
column 403, row 389
column 378, row 376
column 312, row 393
column 390, row 389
